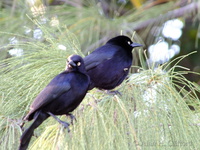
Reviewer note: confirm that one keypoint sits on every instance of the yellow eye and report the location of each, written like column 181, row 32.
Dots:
column 79, row 63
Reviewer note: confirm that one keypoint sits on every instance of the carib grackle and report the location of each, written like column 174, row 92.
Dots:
column 109, row 64
column 60, row 97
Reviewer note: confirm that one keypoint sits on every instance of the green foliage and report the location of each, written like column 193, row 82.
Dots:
column 151, row 113
column 23, row 77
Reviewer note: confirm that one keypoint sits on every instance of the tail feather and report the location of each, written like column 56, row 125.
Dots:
column 26, row 136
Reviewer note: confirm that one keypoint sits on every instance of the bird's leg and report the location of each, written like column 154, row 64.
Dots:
column 65, row 124
column 72, row 117
column 22, row 125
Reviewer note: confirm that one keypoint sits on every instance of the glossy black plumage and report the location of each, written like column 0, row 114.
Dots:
column 61, row 96
column 109, row 64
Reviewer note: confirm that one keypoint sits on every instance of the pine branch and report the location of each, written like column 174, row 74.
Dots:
column 188, row 10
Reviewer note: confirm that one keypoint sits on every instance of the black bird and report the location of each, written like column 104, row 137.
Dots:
column 60, row 97
column 109, row 64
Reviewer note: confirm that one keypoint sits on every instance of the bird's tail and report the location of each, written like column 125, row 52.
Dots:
column 26, row 136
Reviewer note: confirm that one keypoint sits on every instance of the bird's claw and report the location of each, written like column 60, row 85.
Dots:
column 72, row 117
column 113, row 92
column 21, row 125
column 65, row 125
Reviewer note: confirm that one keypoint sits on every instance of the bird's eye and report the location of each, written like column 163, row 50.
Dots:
column 78, row 63
column 129, row 42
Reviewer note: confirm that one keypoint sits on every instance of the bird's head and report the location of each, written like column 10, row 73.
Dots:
column 124, row 41
column 75, row 63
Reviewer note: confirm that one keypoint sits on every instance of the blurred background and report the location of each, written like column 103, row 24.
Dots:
column 36, row 37
column 166, row 28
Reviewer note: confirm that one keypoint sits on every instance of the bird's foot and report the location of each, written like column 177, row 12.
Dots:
column 65, row 125
column 113, row 92
column 21, row 124
column 72, row 117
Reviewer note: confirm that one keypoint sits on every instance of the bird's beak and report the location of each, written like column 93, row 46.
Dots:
column 136, row 45
column 72, row 64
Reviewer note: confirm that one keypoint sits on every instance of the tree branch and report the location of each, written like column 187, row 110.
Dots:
column 190, row 9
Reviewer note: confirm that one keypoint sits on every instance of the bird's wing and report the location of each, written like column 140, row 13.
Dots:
column 52, row 91
column 101, row 54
